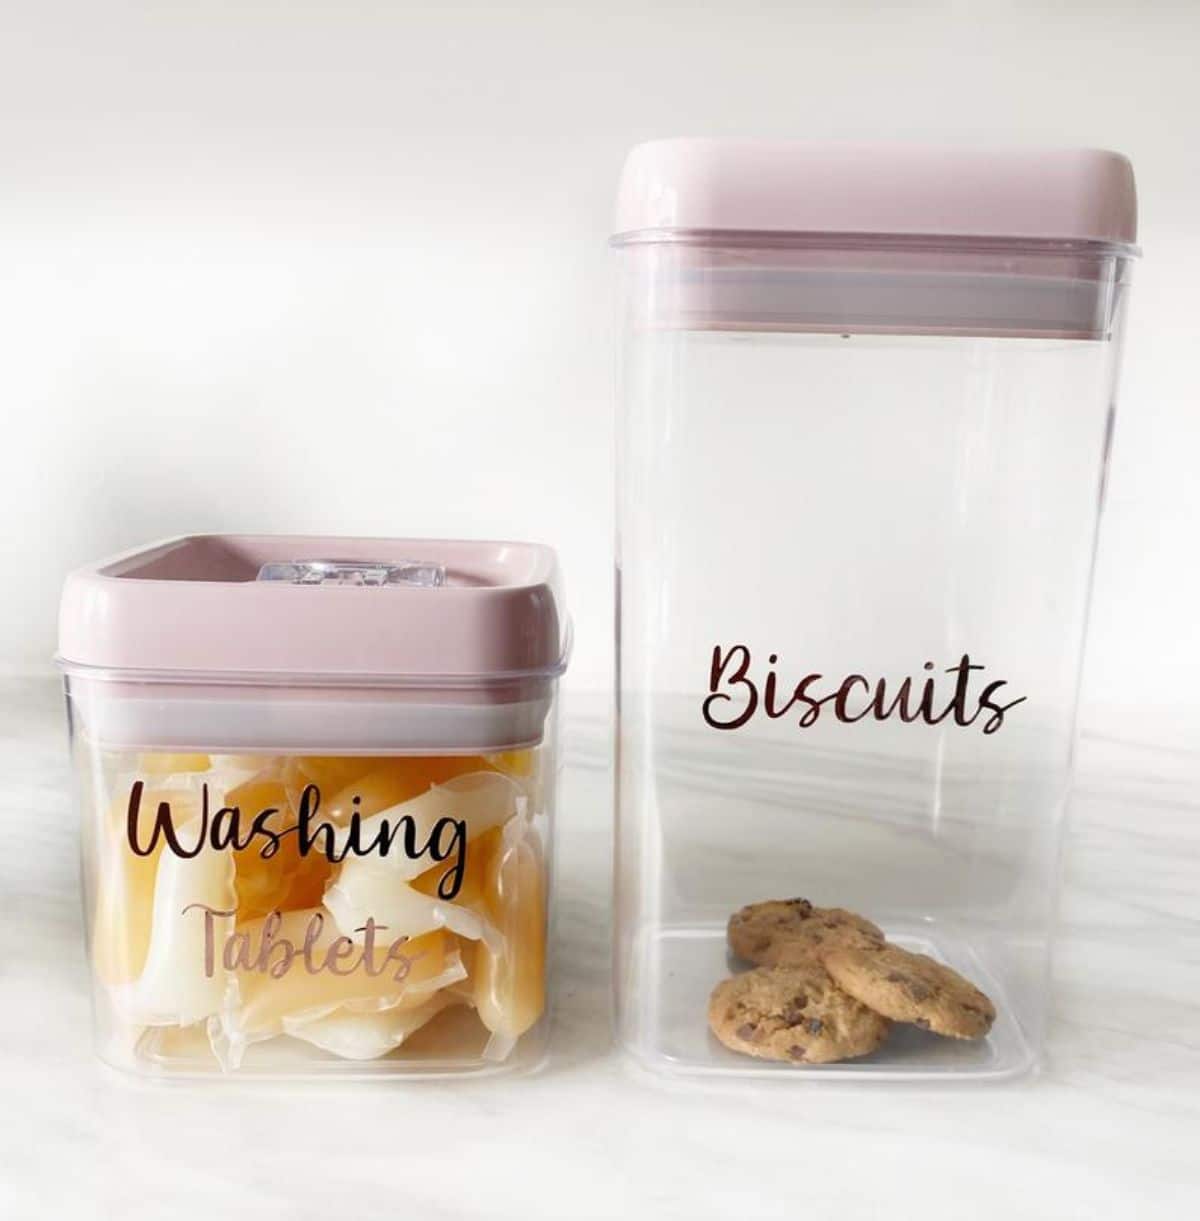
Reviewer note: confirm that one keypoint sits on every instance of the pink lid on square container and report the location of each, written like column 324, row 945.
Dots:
column 771, row 235
column 248, row 642
column 198, row 605
column 779, row 186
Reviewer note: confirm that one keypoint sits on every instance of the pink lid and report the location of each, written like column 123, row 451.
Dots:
column 774, row 186
column 387, row 608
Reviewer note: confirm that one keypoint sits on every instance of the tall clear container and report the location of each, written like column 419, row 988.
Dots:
column 316, row 783
column 866, row 400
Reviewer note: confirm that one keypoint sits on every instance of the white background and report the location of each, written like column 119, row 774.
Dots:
column 341, row 267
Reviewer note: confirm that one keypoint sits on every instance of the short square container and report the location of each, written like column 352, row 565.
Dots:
column 316, row 780
column 866, row 403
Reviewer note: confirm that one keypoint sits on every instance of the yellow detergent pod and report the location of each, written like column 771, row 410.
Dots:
column 510, row 986
column 330, row 773
column 307, row 883
column 470, row 893
column 514, row 762
column 475, row 803
column 122, row 918
column 284, row 879
column 365, row 891
column 300, row 994
column 367, row 1036
column 166, row 764
column 395, row 780
column 183, row 979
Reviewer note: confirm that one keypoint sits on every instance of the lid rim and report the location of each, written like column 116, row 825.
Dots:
column 300, row 678
column 917, row 242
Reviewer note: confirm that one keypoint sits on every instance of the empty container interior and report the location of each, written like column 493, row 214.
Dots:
column 860, row 484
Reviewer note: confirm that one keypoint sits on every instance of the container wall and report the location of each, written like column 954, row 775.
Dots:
column 854, row 571
column 315, row 912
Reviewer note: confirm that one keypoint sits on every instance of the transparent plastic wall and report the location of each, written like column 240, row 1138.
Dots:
column 276, row 885
column 857, row 508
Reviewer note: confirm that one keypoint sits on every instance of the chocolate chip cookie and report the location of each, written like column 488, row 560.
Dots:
column 793, row 1013
column 783, row 931
column 909, row 987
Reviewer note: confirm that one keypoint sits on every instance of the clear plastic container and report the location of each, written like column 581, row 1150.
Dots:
column 316, row 779
column 866, row 405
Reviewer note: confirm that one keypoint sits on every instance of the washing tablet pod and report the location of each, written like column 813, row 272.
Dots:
column 367, row 1036
column 160, row 764
column 470, row 892
column 286, row 880
column 124, row 908
column 273, row 876
column 315, row 983
column 478, row 801
column 180, row 1043
column 521, row 763
column 526, row 766
column 392, row 781
column 330, row 773
column 369, row 886
column 363, row 890
column 261, row 879
column 184, row 978
column 236, row 769
column 509, row 986
column 463, row 990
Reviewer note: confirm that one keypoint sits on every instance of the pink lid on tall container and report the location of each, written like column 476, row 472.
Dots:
column 778, row 186
column 779, row 235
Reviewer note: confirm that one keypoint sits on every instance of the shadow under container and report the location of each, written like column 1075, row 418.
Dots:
column 866, row 399
column 316, row 779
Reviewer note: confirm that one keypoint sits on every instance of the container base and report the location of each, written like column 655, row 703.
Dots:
column 676, row 1040
column 452, row 1048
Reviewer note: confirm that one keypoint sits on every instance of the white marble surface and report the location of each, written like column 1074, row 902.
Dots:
column 1110, row 1129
